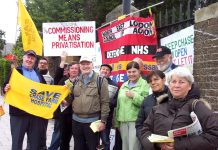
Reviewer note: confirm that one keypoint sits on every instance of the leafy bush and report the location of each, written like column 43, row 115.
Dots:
column 5, row 67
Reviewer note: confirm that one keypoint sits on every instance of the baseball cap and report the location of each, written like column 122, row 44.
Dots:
column 109, row 66
column 30, row 52
column 85, row 58
column 161, row 51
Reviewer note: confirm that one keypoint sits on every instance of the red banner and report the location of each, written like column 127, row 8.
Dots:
column 125, row 40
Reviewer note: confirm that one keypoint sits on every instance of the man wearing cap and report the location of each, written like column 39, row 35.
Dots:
column 22, row 122
column 90, row 103
column 105, row 71
column 163, row 58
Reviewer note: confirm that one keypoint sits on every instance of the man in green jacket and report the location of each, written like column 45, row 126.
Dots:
column 91, row 103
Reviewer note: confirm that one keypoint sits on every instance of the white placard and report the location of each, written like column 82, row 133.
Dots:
column 76, row 38
column 112, row 138
column 182, row 45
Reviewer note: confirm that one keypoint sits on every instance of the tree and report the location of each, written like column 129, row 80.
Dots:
column 69, row 10
column 2, row 41
column 18, row 50
column 55, row 11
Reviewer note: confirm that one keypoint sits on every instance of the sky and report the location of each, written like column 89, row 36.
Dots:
column 8, row 19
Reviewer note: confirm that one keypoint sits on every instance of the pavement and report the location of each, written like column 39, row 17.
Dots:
column 5, row 134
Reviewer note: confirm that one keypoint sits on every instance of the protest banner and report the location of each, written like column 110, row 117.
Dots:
column 182, row 46
column 76, row 38
column 126, row 39
column 34, row 98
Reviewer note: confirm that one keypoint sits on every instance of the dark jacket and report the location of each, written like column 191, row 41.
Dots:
column 16, row 111
column 146, row 107
column 112, row 104
column 68, row 110
column 59, row 75
column 173, row 66
column 59, row 79
column 174, row 114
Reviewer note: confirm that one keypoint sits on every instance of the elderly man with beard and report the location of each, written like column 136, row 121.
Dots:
column 163, row 58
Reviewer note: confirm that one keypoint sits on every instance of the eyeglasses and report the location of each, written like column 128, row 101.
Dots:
column 45, row 63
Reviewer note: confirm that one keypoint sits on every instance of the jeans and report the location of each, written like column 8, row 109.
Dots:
column 55, row 141
column 105, row 137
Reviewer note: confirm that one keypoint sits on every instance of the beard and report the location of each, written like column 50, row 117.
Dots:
column 164, row 67
column 43, row 72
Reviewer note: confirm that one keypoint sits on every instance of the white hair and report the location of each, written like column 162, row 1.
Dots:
column 181, row 72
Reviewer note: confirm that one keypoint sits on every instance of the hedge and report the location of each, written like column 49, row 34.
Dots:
column 5, row 67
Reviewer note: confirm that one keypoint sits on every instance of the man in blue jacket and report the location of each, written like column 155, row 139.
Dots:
column 22, row 122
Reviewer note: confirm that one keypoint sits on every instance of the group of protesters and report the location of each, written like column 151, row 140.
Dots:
column 143, row 105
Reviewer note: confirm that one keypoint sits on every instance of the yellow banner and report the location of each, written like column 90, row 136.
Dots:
column 35, row 98
column 30, row 36
column 121, row 65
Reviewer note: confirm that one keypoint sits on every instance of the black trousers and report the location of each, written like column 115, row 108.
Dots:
column 84, row 137
column 118, row 141
column 43, row 138
column 29, row 124
column 65, row 131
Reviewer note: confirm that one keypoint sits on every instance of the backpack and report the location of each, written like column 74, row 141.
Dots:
column 99, row 83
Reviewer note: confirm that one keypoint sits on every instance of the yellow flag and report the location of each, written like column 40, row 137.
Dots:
column 35, row 98
column 30, row 36
column 121, row 17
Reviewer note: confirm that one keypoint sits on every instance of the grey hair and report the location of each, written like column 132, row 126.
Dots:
column 181, row 72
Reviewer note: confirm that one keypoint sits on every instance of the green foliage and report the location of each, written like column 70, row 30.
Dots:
column 2, row 41
column 5, row 67
column 69, row 10
column 18, row 50
column 55, row 11
column 97, row 10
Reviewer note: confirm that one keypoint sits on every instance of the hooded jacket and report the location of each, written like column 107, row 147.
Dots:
column 128, row 108
column 174, row 114
column 147, row 105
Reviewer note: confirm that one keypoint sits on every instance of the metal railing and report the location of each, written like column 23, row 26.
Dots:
column 171, row 18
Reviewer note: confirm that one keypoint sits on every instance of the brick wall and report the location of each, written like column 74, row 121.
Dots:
column 206, row 53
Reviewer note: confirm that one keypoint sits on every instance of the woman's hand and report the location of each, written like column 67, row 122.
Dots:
column 7, row 88
column 65, row 103
column 129, row 94
column 166, row 146
column 63, row 59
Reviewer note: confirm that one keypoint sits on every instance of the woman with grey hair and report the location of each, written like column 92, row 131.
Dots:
column 175, row 113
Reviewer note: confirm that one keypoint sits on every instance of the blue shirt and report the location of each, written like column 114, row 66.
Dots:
column 30, row 74
column 88, row 78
